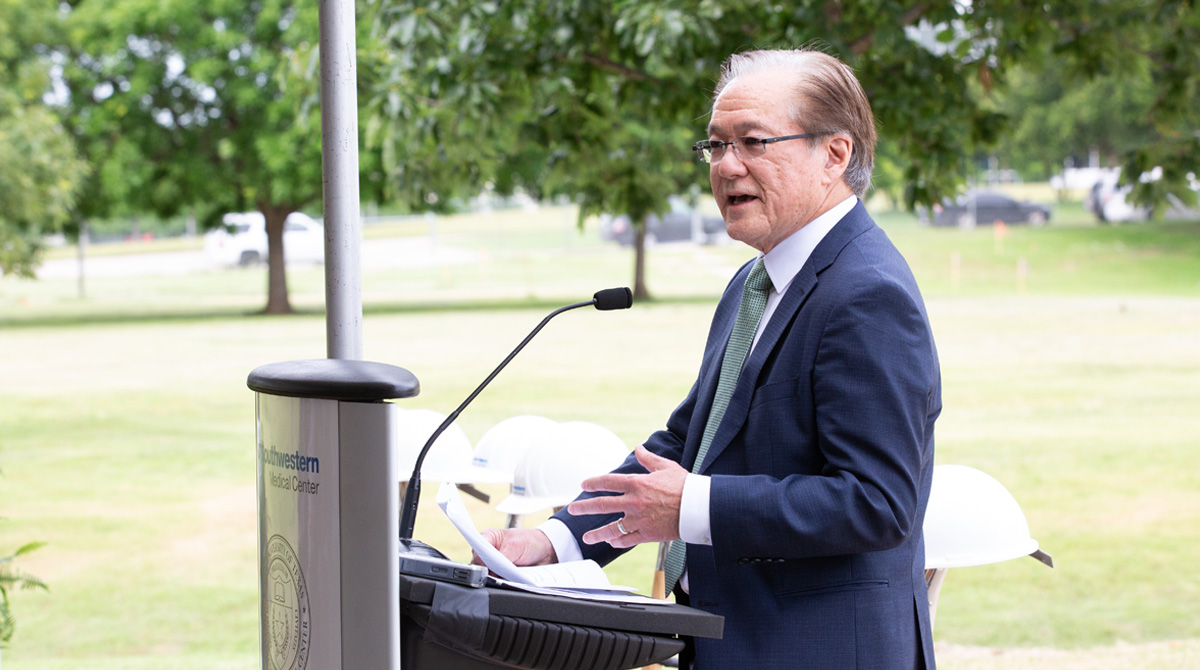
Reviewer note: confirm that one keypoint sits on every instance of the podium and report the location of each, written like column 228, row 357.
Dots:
column 331, row 593
column 450, row 627
column 328, row 513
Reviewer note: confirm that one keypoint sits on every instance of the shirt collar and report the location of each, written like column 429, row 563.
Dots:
column 785, row 260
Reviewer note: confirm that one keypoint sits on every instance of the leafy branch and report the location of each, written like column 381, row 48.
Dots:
column 10, row 579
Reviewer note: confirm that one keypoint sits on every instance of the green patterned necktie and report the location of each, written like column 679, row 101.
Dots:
column 754, row 302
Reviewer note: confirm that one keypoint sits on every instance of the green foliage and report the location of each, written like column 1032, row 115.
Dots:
column 532, row 95
column 12, row 578
column 209, row 107
column 591, row 100
column 213, row 107
column 1119, row 81
column 559, row 97
column 571, row 78
column 185, row 104
column 39, row 178
column 600, row 101
column 1106, row 114
column 40, row 173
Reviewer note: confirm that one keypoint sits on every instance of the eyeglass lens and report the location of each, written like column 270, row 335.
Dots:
column 714, row 150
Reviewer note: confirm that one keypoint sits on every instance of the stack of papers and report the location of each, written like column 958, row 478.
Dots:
column 574, row 579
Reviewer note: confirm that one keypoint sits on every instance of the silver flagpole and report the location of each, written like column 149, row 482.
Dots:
column 339, row 153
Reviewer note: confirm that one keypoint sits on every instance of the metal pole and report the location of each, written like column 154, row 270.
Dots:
column 83, row 242
column 339, row 157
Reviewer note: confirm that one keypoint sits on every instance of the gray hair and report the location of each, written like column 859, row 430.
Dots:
column 827, row 99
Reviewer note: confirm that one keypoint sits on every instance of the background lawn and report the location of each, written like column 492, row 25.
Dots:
column 126, row 428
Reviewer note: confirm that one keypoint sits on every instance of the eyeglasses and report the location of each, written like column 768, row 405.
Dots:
column 712, row 151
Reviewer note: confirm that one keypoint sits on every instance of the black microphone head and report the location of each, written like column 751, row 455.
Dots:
column 613, row 298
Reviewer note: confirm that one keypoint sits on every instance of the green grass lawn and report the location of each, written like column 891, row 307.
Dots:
column 126, row 429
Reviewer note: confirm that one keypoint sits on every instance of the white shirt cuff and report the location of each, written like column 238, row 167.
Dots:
column 695, row 524
column 565, row 546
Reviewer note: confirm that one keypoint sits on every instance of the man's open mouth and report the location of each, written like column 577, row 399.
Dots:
column 740, row 199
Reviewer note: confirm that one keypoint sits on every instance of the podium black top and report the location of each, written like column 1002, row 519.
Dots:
column 334, row 379
column 665, row 619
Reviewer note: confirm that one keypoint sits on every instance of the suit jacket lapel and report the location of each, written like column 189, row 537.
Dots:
column 826, row 252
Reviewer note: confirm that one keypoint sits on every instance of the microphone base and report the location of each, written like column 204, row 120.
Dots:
column 421, row 560
column 413, row 547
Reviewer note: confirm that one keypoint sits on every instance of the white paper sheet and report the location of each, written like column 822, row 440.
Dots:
column 573, row 575
column 608, row 595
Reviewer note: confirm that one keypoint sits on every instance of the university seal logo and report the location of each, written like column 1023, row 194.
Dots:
column 285, row 608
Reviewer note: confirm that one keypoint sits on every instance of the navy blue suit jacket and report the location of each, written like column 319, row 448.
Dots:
column 820, row 468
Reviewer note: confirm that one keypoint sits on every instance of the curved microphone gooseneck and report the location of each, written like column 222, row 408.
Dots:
column 607, row 299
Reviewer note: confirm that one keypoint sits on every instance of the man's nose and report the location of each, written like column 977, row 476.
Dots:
column 730, row 165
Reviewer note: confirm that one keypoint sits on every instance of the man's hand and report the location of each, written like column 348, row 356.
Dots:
column 522, row 546
column 650, row 503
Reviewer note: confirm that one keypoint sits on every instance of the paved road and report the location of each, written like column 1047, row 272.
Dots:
column 380, row 253
column 127, row 265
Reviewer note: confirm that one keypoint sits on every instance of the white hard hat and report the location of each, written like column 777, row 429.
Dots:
column 503, row 445
column 448, row 460
column 551, row 471
column 973, row 520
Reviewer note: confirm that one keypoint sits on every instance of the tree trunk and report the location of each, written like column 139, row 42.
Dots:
column 640, row 292
column 277, row 290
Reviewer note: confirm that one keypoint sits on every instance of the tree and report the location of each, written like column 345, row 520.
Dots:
column 1055, row 120
column 537, row 95
column 933, row 71
column 1119, row 82
column 40, row 172
column 613, row 93
column 202, row 105
column 1158, row 39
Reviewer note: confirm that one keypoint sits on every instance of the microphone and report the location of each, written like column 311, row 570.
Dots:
column 605, row 300
column 613, row 298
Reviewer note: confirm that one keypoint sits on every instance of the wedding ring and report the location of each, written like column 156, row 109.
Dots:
column 621, row 526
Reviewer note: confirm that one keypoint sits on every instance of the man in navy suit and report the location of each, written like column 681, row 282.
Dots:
column 798, row 479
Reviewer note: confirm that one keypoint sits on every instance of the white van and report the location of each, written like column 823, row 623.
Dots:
column 242, row 240
column 1110, row 202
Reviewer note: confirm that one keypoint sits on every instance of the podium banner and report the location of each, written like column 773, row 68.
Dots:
column 298, row 532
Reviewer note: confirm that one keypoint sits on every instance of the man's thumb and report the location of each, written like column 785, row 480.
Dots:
column 650, row 460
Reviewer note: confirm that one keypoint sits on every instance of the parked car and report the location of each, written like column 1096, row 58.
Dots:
column 985, row 208
column 674, row 226
column 1110, row 202
column 242, row 240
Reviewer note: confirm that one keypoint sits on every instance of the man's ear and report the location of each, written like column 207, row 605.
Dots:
column 837, row 155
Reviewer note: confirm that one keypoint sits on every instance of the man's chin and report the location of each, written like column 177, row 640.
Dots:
column 741, row 229
column 756, row 234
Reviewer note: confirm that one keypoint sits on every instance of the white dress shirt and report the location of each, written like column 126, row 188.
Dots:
column 783, row 263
